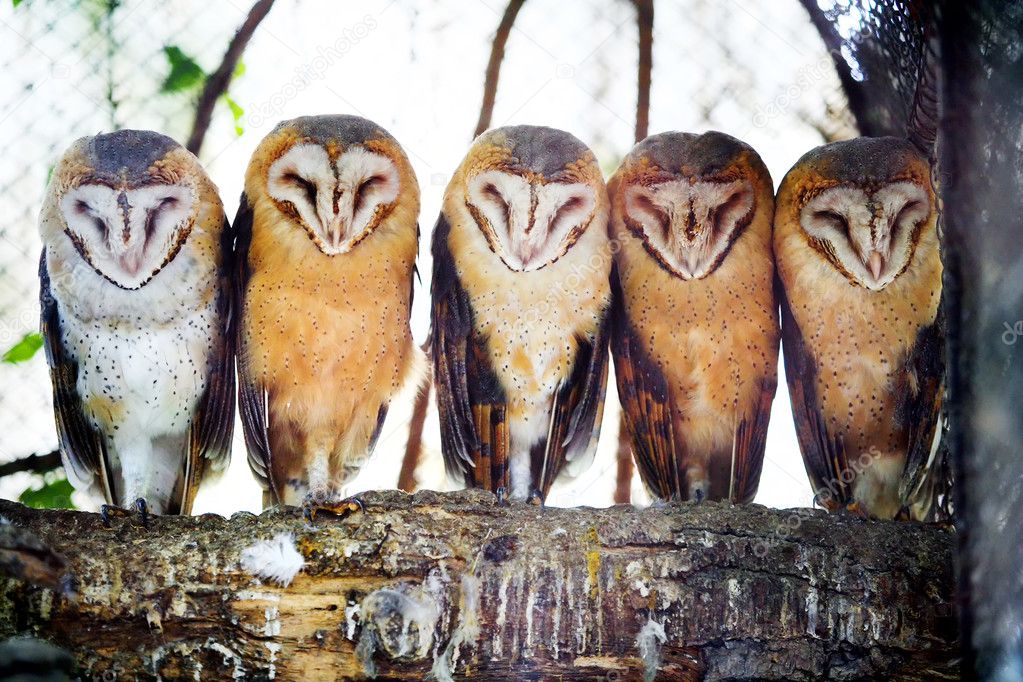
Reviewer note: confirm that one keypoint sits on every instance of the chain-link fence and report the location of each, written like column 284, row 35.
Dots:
column 76, row 67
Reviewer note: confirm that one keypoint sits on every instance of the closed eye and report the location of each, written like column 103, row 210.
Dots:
column 83, row 209
column 566, row 208
column 491, row 192
column 305, row 185
column 166, row 203
column 364, row 189
column 723, row 210
column 904, row 212
column 836, row 219
column 645, row 203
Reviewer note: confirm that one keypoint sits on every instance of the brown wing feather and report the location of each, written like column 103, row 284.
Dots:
column 647, row 407
column 575, row 417
column 919, row 411
column 823, row 455
column 251, row 394
column 213, row 426
column 470, row 400
column 749, row 444
column 82, row 448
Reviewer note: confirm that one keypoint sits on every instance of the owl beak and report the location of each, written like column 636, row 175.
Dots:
column 692, row 261
column 337, row 230
column 131, row 262
column 875, row 262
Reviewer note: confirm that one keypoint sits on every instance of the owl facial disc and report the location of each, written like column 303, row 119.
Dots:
column 128, row 234
column 340, row 201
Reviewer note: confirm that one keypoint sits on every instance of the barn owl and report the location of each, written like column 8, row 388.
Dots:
column 695, row 324
column 858, row 262
column 520, row 310
column 326, row 241
column 136, row 294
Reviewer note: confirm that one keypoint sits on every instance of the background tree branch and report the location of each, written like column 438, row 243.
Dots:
column 494, row 64
column 37, row 464
column 453, row 584
column 218, row 82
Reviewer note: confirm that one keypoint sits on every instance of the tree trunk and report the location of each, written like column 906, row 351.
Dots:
column 455, row 585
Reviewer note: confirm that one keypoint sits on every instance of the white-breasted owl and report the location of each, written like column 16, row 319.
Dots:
column 520, row 298
column 136, row 311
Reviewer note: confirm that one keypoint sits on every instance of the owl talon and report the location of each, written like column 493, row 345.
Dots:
column 855, row 509
column 502, row 497
column 535, row 498
column 340, row 510
column 108, row 511
column 143, row 510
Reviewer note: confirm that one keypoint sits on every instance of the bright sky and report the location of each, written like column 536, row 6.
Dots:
column 417, row 69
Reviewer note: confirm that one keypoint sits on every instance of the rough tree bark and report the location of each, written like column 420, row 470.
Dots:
column 455, row 585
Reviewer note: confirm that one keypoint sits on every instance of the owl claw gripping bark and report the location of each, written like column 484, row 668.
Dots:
column 108, row 511
column 340, row 509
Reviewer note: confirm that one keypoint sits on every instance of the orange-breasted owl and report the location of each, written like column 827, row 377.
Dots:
column 695, row 325
column 856, row 244
column 326, row 242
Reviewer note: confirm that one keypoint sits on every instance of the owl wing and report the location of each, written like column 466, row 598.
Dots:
column 919, row 410
column 646, row 404
column 213, row 426
column 252, row 400
column 82, row 448
column 824, row 455
column 470, row 399
column 576, row 413
column 749, row 445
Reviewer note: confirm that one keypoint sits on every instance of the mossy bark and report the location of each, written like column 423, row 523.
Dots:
column 455, row 585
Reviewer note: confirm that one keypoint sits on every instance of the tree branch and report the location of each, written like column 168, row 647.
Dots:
column 37, row 464
column 494, row 65
column 854, row 95
column 218, row 82
column 645, row 23
column 453, row 583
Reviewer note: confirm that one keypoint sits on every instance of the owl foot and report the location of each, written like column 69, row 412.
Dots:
column 855, row 509
column 108, row 511
column 340, row 509
column 502, row 497
column 535, row 498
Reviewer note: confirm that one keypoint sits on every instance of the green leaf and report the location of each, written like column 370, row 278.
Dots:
column 55, row 493
column 185, row 73
column 237, row 112
column 17, row 2
column 239, row 70
column 24, row 350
